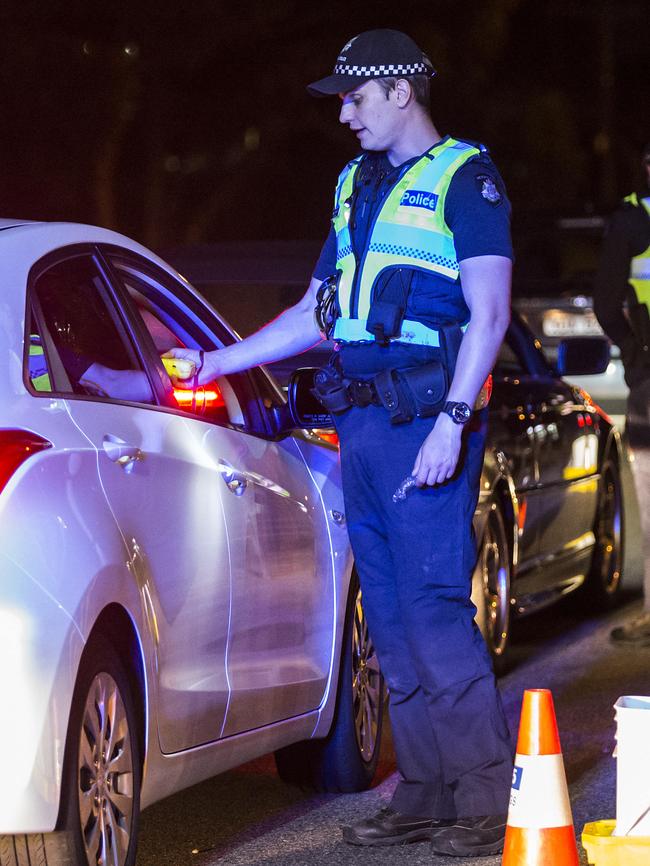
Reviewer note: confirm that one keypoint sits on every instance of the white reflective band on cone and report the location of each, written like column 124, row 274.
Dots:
column 539, row 798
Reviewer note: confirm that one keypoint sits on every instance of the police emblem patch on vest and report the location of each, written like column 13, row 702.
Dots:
column 489, row 189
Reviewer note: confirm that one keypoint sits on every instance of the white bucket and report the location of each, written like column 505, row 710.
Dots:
column 632, row 765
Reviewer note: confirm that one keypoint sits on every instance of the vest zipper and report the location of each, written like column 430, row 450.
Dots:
column 358, row 269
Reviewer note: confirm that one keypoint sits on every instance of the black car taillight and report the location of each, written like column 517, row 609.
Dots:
column 15, row 447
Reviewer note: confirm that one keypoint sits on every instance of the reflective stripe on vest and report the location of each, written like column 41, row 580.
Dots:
column 409, row 230
column 640, row 265
column 354, row 331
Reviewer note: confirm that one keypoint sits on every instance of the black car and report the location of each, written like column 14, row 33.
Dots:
column 550, row 514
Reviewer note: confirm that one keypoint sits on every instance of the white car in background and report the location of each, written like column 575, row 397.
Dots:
column 177, row 593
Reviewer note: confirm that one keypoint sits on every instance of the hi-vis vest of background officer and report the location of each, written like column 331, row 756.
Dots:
column 640, row 265
column 409, row 232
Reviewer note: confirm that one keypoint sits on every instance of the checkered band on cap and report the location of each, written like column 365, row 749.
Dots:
column 387, row 69
column 373, row 54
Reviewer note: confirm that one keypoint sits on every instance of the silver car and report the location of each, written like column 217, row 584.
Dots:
column 177, row 593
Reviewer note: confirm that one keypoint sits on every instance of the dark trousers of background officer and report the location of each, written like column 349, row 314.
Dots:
column 638, row 433
column 415, row 560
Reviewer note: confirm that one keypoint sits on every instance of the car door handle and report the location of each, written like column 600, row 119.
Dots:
column 121, row 452
column 235, row 481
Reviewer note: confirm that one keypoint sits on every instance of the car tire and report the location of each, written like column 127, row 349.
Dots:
column 604, row 581
column 37, row 849
column 346, row 760
column 491, row 587
column 102, row 768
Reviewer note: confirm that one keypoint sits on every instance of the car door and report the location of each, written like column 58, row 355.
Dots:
column 567, row 445
column 511, row 432
column 282, row 622
column 281, row 617
column 564, row 435
column 165, row 493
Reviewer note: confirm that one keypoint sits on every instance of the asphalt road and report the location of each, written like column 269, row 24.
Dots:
column 248, row 817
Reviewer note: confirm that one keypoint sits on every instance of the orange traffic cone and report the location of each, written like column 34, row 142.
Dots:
column 540, row 827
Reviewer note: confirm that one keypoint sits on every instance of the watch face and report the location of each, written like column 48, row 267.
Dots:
column 461, row 413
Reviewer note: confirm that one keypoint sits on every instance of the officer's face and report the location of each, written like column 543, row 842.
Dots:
column 373, row 114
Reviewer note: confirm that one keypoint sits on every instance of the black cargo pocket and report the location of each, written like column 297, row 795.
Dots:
column 427, row 388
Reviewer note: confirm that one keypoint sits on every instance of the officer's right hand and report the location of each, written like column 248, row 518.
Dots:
column 199, row 372
column 437, row 459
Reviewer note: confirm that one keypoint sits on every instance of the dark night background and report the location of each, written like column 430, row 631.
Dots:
column 187, row 122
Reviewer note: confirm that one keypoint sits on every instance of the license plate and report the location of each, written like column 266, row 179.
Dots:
column 558, row 323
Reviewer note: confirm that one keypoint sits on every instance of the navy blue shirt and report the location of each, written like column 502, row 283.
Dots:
column 480, row 226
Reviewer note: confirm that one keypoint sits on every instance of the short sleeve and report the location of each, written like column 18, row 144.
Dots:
column 326, row 264
column 477, row 211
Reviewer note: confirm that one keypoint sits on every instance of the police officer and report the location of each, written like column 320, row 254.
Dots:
column 420, row 249
column 621, row 303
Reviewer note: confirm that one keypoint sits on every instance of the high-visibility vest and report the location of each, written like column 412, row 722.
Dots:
column 640, row 265
column 408, row 232
column 38, row 372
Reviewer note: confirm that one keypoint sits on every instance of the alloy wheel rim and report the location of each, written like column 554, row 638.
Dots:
column 105, row 776
column 366, row 685
column 609, row 533
column 496, row 587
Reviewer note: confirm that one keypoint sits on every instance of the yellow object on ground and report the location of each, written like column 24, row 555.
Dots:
column 603, row 849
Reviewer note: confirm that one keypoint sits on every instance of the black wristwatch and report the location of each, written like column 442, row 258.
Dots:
column 460, row 413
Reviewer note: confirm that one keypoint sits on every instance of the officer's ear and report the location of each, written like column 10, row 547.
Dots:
column 403, row 92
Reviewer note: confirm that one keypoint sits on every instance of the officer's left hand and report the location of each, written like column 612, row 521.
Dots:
column 438, row 457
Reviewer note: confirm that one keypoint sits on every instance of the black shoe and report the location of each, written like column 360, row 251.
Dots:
column 634, row 633
column 389, row 827
column 471, row 837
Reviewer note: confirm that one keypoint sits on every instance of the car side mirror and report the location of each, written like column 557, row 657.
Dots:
column 306, row 410
column 582, row 356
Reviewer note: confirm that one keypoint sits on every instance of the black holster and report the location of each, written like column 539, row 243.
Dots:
column 331, row 389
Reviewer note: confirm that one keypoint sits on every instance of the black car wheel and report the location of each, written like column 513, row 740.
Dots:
column 491, row 587
column 347, row 758
column 603, row 584
column 103, row 768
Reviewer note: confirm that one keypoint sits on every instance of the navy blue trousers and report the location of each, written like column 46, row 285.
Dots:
column 415, row 560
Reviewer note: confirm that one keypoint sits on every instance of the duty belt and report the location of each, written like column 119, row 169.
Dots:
column 403, row 393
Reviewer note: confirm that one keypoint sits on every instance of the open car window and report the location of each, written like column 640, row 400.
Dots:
column 78, row 344
column 171, row 319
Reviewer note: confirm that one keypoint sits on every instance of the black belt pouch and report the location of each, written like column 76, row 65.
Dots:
column 427, row 388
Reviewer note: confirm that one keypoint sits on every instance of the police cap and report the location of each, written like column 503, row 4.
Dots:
column 373, row 54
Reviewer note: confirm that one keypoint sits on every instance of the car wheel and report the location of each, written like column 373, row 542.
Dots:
column 603, row 584
column 101, row 806
column 347, row 758
column 491, row 587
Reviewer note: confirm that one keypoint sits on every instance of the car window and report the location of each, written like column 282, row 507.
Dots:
column 77, row 328
column 158, row 301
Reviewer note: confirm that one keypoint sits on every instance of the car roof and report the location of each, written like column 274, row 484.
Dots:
column 43, row 235
column 7, row 223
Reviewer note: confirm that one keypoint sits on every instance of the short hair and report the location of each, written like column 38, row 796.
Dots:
column 420, row 84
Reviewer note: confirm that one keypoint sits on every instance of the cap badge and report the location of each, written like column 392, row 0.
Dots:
column 346, row 48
